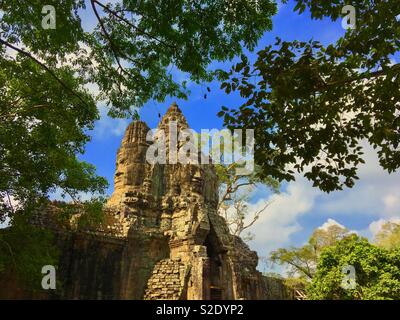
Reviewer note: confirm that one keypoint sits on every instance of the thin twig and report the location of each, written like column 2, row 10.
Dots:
column 113, row 47
column 27, row 54
column 132, row 25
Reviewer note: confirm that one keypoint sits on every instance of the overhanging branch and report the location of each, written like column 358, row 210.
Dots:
column 51, row 72
column 115, row 14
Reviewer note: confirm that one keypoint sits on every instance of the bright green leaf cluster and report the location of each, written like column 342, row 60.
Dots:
column 377, row 271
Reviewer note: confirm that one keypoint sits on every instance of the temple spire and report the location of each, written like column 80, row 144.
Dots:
column 174, row 113
column 173, row 108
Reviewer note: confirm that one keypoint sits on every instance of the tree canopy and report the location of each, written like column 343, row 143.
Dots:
column 322, row 266
column 312, row 106
column 377, row 271
column 134, row 44
column 42, row 128
column 302, row 261
column 389, row 235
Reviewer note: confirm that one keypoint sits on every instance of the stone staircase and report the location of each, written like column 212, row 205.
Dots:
column 167, row 281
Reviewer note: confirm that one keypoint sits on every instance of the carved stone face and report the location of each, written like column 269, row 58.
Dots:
column 176, row 189
column 147, row 186
column 166, row 204
column 132, row 198
column 118, row 180
column 197, row 181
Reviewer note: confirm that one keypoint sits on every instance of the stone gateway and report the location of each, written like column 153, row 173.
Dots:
column 162, row 237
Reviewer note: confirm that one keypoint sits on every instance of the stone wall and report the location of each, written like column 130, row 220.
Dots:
column 275, row 289
column 94, row 267
column 168, row 281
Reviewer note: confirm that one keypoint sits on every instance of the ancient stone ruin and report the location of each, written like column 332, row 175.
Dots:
column 163, row 237
column 170, row 212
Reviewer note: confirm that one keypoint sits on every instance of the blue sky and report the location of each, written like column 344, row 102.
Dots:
column 299, row 208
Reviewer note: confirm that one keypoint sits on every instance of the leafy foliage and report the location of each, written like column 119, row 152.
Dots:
column 42, row 128
column 311, row 106
column 82, row 215
column 302, row 262
column 389, row 236
column 319, row 266
column 25, row 249
column 130, row 51
column 377, row 271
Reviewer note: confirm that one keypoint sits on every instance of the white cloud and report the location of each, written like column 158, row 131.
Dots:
column 279, row 222
column 92, row 88
column 329, row 223
column 391, row 202
column 5, row 224
column 15, row 204
column 377, row 225
column 376, row 196
column 109, row 127
column 376, row 193
column 12, row 201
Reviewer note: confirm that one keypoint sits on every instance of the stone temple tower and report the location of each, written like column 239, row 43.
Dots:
column 177, row 204
column 162, row 237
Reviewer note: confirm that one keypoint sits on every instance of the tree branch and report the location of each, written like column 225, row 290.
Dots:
column 256, row 217
column 7, row 114
column 362, row 76
column 115, row 14
column 9, row 202
column 113, row 47
column 27, row 54
column 300, row 268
